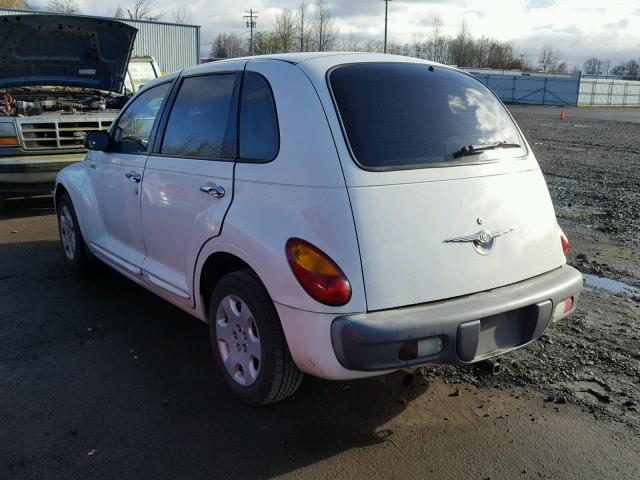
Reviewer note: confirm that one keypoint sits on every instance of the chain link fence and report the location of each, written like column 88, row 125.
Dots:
column 536, row 90
column 609, row 92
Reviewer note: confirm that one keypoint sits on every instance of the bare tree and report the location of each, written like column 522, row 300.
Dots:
column 63, row 6
column 629, row 70
column 302, row 26
column 227, row 45
column 119, row 13
column 551, row 60
column 633, row 69
column 264, row 43
column 352, row 42
column 142, row 10
column 523, row 61
column 324, row 31
column 485, row 51
column 460, row 46
column 417, row 41
column 592, row 66
column 182, row 16
column 285, row 31
column 436, row 40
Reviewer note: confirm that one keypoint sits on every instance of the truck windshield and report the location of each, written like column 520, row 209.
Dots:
column 401, row 116
column 140, row 72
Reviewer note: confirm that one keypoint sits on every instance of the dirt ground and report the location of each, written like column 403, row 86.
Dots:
column 591, row 359
column 101, row 379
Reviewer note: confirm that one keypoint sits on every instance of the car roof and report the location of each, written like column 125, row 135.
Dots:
column 326, row 58
column 319, row 62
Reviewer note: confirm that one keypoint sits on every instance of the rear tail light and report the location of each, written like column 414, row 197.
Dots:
column 564, row 241
column 317, row 273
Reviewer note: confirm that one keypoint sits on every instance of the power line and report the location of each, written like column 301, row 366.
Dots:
column 251, row 17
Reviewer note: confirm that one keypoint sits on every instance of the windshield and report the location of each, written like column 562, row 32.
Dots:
column 140, row 72
column 398, row 115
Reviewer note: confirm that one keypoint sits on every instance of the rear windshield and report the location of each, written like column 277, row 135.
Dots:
column 410, row 116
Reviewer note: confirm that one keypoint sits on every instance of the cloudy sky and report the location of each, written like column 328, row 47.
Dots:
column 579, row 28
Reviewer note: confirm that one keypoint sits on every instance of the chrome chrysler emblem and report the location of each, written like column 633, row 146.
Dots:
column 483, row 241
column 79, row 134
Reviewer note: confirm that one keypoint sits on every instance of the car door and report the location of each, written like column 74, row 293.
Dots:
column 116, row 174
column 188, row 183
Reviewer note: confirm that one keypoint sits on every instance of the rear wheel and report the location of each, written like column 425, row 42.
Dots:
column 73, row 246
column 248, row 342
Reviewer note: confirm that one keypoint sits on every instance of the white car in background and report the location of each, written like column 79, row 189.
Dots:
column 343, row 215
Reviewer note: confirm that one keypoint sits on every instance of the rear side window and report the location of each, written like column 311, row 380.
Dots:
column 202, row 123
column 259, row 135
column 399, row 116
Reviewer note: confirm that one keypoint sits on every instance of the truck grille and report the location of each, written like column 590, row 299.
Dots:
column 58, row 134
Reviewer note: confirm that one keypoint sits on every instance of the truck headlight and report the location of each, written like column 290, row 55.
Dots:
column 8, row 136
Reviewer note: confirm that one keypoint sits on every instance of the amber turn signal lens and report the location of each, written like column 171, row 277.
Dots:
column 8, row 141
column 317, row 273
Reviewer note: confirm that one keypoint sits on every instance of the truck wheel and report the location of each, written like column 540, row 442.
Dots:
column 248, row 343
column 75, row 251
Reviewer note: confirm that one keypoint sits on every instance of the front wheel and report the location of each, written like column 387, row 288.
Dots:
column 248, row 342
column 73, row 246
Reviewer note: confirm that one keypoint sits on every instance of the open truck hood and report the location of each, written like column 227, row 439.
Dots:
column 63, row 50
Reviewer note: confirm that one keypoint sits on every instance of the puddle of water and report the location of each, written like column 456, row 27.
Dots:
column 593, row 281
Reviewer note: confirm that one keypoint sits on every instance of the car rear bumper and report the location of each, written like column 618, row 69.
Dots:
column 35, row 175
column 465, row 329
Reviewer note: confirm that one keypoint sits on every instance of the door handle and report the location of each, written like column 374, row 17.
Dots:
column 213, row 190
column 135, row 177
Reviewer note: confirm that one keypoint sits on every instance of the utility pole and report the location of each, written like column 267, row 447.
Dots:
column 250, row 16
column 386, row 18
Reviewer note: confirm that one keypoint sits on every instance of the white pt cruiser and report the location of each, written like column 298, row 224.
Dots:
column 343, row 215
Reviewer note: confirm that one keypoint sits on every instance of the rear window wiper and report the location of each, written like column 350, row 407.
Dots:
column 482, row 147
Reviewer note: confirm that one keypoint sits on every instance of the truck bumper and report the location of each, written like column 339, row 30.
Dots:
column 461, row 330
column 34, row 175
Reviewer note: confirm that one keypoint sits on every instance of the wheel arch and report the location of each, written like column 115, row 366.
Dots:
column 59, row 191
column 71, row 181
column 215, row 265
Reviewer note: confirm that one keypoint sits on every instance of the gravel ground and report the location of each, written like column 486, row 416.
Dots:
column 592, row 358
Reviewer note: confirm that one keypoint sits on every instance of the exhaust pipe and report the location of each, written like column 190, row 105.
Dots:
column 490, row 366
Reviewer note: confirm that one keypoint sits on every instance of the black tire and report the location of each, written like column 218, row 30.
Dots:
column 277, row 377
column 79, row 258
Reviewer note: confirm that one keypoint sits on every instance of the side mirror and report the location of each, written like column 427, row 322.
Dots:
column 100, row 140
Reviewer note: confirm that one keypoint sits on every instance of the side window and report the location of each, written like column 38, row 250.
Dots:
column 132, row 132
column 259, row 135
column 202, row 123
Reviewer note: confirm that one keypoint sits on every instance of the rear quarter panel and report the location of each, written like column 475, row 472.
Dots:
column 301, row 193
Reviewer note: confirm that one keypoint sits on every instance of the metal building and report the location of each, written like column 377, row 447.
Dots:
column 174, row 46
